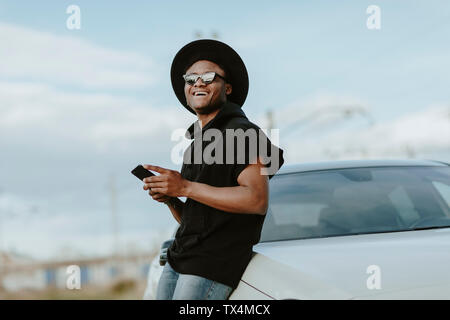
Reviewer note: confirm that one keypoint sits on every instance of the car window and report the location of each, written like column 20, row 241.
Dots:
column 403, row 204
column 444, row 191
column 310, row 216
column 354, row 201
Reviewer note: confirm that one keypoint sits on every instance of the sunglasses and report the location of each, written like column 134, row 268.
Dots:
column 207, row 78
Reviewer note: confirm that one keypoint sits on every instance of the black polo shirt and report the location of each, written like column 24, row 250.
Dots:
column 212, row 243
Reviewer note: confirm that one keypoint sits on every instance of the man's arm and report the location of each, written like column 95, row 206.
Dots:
column 176, row 207
column 251, row 196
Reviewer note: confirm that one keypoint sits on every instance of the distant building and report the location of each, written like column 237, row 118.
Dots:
column 18, row 273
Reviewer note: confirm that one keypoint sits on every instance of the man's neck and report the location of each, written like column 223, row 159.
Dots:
column 203, row 119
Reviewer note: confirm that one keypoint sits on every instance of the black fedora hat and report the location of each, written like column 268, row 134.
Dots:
column 217, row 52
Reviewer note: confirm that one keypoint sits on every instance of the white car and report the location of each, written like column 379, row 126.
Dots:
column 360, row 229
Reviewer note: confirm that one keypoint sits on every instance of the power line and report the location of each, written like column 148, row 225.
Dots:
column 346, row 112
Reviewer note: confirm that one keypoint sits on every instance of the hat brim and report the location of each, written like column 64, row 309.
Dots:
column 217, row 52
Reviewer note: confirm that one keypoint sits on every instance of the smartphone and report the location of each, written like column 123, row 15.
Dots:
column 141, row 173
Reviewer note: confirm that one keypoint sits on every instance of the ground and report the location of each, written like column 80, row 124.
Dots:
column 120, row 290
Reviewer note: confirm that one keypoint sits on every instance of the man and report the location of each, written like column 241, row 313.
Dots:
column 226, row 202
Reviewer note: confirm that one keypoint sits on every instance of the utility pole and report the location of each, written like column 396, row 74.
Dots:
column 1, row 227
column 2, row 253
column 269, row 117
column 114, row 217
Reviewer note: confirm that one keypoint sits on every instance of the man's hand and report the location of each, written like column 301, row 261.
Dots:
column 158, row 196
column 168, row 183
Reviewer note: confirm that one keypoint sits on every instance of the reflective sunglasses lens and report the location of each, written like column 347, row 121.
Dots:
column 208, row 77
column 191, row 78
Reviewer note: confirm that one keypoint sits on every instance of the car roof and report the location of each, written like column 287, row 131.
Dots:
column 346, row 164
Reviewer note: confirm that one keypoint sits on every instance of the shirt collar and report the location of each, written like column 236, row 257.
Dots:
column 227, row 110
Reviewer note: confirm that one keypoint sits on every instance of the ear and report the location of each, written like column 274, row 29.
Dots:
column 228, row 89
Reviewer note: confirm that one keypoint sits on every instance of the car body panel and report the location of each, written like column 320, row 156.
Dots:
column 244, row 291
column 409, row 262
column 347, row 164
column 154, row 273
column 281, row 281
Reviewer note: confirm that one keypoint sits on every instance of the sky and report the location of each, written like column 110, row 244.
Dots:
column 80, row 108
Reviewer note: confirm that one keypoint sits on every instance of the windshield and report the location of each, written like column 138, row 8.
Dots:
column 354, row 201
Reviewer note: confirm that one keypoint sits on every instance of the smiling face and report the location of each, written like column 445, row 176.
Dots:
column 206, row 98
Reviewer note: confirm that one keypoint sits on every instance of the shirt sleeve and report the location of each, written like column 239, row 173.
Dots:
column 272, row 156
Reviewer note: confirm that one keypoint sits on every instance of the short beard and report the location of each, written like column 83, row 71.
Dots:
column 209, row 108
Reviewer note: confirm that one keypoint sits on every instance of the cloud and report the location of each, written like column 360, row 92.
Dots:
column 319, row 106
column 64, row 129
column 28, row 228
column 419, row 134
column 45, row 57
column 13, row 205
column 98, row 119
column 63, row 237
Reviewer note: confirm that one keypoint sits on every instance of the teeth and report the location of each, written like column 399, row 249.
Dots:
column 200, row 94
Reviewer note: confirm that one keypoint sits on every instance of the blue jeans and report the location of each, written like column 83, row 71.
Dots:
column 176, row 286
